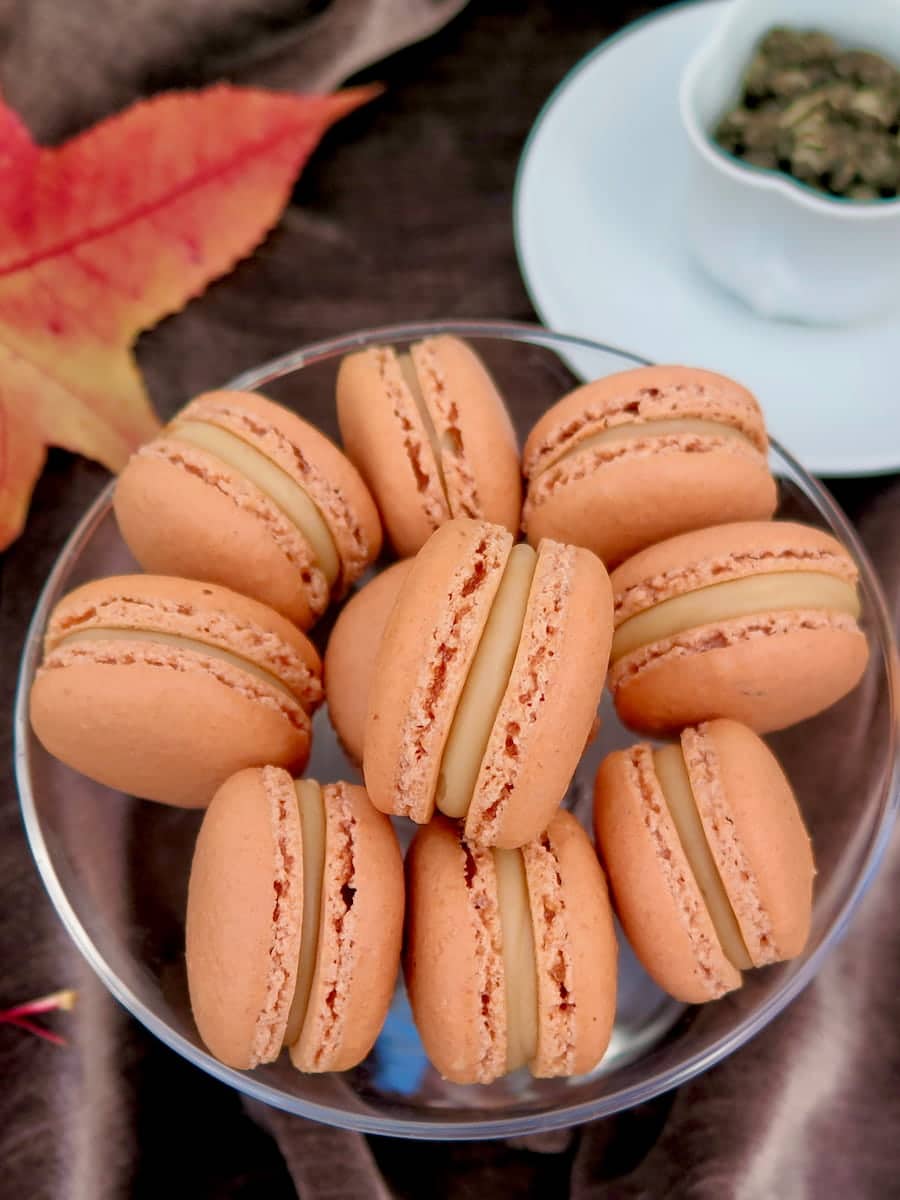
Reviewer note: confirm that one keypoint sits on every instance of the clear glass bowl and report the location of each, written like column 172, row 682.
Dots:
column 116, row 868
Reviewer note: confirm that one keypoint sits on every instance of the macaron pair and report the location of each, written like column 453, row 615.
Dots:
column 487, row 682
column 294, row 922
column 241, row 492
column 708, row 859
column 510, row 957
column 164, row 687
column 431, row 436
column 352, row 651
column 756, row 621
column 640, row 456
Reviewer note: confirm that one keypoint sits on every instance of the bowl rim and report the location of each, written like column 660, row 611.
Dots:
column 762, row 179
column 432, row 1126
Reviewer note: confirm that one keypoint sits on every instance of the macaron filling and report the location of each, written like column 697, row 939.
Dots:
column 178, row 642
column 642, row 431
column 311, row 807
column 675, row 784
column 485, row 685
column 519, row 959
column 284, row 491
column 412, row 381
column 763, row 593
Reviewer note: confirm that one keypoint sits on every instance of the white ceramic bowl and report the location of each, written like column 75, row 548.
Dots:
column 786, row 250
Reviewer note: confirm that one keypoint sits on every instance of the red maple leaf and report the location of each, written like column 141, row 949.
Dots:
column 106, row 234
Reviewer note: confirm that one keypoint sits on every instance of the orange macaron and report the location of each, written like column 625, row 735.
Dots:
column 708, row 859
column 640, row 456
column 164, row 687
column 242, row 492
column 294, row 922
column 510, row 955
column 487, row 682
column 430, row 434
column 756, row 621
column 351, row 653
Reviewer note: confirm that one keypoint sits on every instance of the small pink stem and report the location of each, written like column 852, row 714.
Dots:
column 37, row 1030
column 19, row 1014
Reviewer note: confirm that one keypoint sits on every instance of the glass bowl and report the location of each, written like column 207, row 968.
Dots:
column 116, row 868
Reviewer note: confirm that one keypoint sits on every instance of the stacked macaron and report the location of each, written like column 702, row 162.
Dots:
column 464, row 681
column 721, row 616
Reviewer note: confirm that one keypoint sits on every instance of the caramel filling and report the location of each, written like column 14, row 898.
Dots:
column 736, row 598
column 179, row 643
column 312, row 843
column 483, row 690
column 519, row 961
column 679, row 796
column 650, row 429
column 280, row 488
column 411, row 379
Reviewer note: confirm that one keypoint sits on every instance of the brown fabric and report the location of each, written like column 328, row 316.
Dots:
column 404, row 214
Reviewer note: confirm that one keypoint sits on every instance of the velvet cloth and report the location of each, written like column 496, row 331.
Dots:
column 404, row 214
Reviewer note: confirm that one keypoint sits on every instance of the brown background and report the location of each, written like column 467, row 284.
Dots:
column 403, row 213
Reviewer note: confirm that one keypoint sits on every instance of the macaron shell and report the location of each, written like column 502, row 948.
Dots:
column 240, row 964
column 359, row 936
column 429, row 642
column 621, row 504
column 656, row 897
column 480, row 459
column 384, row 437
column 549, row 707
column 313, row 460
column 207, row 523
column 657, row 393
column 764, row 819
column 710, row 556
column 453, row 957
column 172, row 732
column 351, row 653
column 768, row 672
column 575, row 949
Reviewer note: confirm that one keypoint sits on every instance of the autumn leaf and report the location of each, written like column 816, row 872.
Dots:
column 106, row 234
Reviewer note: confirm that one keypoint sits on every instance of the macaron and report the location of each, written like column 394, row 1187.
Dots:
column 642, row 455
column 708, row 859
column 510, row 955
column 241, row 492
column 756, row 621
column 351, row 652
column 294, row 922
column 487, row 682
column 164, row 687
column 429, row 431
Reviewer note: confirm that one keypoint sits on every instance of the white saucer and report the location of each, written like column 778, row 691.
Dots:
column 597, row 225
